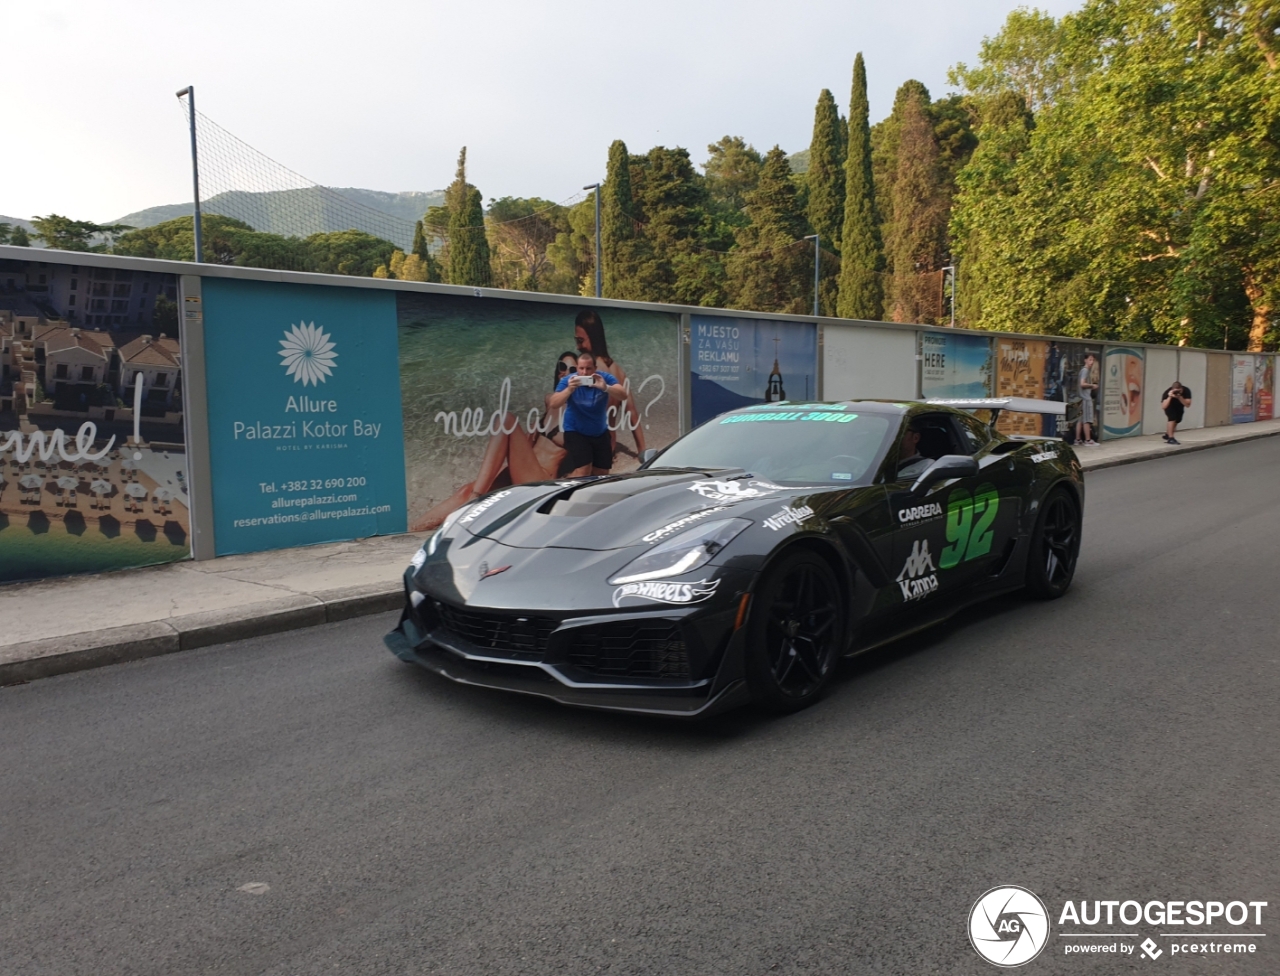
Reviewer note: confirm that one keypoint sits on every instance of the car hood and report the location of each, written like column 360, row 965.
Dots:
column 620, row 511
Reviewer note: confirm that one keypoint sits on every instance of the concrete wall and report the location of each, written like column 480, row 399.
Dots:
column 1191, row 371
column 1162, row 370
column 1217, row 389
column 868, row 363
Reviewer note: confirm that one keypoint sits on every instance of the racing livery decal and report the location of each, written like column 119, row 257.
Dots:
column 481, row 507
column 658, row 592
column 678, row 524
column 969, row 521
column 915, row 514
column 788, row 516
column 919, row 576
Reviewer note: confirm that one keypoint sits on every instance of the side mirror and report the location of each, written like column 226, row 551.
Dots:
column 648, row 454
column 946, row 467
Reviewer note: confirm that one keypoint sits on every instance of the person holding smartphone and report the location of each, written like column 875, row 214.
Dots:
column 1173, row 402
column 585, row 397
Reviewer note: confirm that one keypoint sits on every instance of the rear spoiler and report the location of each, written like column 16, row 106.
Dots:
column 996, row 404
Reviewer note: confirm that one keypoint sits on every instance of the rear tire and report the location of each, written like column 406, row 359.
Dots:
column 1055, row 546
column 794, row 633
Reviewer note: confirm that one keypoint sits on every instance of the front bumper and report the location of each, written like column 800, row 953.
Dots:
column 669, row 689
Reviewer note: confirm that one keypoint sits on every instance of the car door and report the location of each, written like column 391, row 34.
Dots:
column 982, row 512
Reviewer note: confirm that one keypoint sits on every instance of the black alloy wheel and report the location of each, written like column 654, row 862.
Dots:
column 1055, row 546
column 795, row 633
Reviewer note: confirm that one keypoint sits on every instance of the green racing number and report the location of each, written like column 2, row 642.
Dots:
column 969, row 521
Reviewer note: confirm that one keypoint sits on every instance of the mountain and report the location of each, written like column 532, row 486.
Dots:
column 315, row 209
column 799, row 161
column 19, row 222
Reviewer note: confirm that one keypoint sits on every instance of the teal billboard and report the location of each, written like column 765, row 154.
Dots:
column 305, row 429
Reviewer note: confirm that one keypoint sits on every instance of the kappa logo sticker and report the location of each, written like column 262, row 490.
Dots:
column 919, row 576
column 788, row 516
column 655, row 591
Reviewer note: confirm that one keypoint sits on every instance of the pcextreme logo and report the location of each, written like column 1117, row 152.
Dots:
column 308, row 354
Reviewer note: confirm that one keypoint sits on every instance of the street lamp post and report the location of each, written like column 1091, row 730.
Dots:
column 599, row 270
column 190, row 93
column 952, row 269
column 817, row 264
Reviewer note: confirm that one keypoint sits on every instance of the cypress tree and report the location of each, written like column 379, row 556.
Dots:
column 617, row 222
column 862, row 252
column 468, row 245
column 918, row 233
column 771, row 270
column 826, row 172
column 433, row 270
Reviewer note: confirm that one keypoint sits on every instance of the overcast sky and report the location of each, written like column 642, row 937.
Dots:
column 382, row 94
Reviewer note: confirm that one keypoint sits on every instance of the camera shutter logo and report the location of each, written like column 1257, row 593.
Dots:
column 308, row 354
column 1008, row 926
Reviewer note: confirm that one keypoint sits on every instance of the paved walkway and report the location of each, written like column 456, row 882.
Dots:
column 60, row 625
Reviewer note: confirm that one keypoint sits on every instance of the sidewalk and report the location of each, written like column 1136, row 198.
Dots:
column 73, row 623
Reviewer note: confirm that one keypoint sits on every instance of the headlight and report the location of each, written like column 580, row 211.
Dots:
column 682, row 553
column 419, row 557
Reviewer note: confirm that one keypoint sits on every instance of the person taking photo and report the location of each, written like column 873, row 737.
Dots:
column 1174, row 402
column 585, row 396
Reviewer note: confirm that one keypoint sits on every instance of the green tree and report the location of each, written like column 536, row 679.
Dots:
column 572, row 254
column 64, row 234
column 620, row 248
column 469, row 262
column 732, row 171
column 523, row 228
column 6, row 230
column 771, row 269
column 1029, row 57
column 916, row 238
column 862, row 251
column 422, row 249
column 826, row 176
column 18, row 237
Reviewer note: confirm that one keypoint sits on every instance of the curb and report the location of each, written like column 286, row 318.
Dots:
column 1156, row 454
column 20, row 663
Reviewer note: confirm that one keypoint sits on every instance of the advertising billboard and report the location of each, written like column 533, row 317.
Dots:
column 1265, row 386
column 955, row 365
column 1243, row 385
column 1122, row 384
column 1033, row 368
column 305, row 436
column 476, row 378
column 737, row 362
column 93, row 472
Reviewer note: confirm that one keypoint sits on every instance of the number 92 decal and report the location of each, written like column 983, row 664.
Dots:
column 969, row 521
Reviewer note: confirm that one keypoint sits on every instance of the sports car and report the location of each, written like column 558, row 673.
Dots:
column 744, row 560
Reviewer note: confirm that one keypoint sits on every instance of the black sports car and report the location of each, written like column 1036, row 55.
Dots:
column 745, row 559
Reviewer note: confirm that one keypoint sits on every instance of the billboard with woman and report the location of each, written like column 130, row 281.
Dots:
column 476, row 377
column 1122, row 383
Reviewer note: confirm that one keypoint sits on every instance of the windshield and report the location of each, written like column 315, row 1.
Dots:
column 816, row 445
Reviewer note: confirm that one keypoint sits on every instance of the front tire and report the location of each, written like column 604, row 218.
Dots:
column 1055, row 546
column 795, row 629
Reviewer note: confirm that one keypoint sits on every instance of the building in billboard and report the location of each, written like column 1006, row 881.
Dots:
column 476, row 377
column 92, row 471
column 1122, row 383
column 737, row 362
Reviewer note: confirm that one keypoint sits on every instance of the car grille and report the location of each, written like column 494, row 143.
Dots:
column 626, row 649
column 521, row 638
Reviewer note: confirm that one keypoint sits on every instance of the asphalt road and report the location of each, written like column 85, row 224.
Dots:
column 1119, row 743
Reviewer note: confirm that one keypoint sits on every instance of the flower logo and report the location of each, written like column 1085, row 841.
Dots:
column 308, row 354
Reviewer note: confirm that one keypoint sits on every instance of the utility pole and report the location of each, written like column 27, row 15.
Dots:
column 190, row 93
column 952, row 269
column 599, row 269
column 817, row 265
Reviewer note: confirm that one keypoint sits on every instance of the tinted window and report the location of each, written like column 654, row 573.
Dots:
column 975, row 433
column 811, row 445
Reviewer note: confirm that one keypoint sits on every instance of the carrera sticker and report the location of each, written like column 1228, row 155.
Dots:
column 788, row 516
column 679, row 524
column 481, row 507
column 1045, row 456
column 919, row 577
column 919, row 513
column 655, row 591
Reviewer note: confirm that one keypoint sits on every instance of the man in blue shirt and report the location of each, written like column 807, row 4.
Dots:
column 585, row 396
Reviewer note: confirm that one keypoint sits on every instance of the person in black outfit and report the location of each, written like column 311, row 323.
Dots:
column 1173, row 402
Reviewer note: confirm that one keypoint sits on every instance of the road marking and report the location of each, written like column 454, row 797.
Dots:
column 255, row 888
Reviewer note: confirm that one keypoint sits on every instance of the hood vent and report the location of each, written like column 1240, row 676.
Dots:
column 590, row 497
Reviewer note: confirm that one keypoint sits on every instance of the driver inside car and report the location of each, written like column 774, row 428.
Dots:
column 910, row 461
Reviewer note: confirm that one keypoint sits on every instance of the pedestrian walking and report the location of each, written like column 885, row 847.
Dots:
column 1088, row 414
column 1173, row 402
